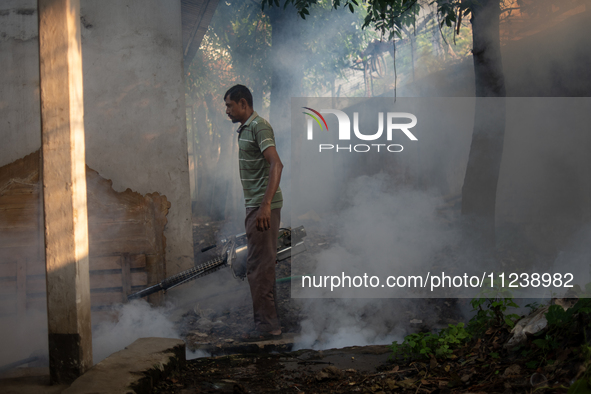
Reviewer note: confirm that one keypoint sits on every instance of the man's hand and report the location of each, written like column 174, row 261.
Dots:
column 263, row 219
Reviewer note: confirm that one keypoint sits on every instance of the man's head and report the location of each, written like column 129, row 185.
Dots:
column 238, row 103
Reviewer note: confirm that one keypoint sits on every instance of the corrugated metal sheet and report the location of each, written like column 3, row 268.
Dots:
column 196, row 16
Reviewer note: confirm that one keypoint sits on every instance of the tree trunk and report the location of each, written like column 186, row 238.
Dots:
column 486, row 150
column 488, row 66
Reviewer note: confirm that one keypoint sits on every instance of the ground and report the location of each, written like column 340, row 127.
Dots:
column 369, row 370
column 481, row 364
column 217, row 318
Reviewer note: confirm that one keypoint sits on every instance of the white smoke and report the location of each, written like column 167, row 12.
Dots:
column 381, row 230
column 137, row 319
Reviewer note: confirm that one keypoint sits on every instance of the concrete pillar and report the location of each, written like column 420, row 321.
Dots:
column 64, row 189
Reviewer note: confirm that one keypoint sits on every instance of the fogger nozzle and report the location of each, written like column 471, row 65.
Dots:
column 234, row 253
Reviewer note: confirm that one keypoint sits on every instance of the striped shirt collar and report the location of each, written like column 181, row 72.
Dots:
column 247, row 123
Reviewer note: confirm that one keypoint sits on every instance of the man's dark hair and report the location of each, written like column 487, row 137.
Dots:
column 238, row 92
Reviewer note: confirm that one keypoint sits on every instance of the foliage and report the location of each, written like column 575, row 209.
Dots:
column 405, row 19
column 331, row 40
column 491, row 309
column 392, row 17
column 564, row 326
column 532, row 306
column 558, row 318
column 235, row 49
column 427, row 344
column 490, row 313
column 583, row 384
column 546, row 344
column 388, row 16
column 302, row 6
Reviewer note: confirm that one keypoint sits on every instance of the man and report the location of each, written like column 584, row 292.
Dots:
column 260, row 173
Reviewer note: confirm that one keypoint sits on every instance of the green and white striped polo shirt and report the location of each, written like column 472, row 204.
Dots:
column 254, row 136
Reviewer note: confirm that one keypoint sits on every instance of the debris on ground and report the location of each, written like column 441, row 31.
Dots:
column 547, row 351
column 481, row 365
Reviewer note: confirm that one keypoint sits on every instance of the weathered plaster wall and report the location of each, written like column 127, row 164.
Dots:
column 20, row 120
column 133, row 100
column 135, row 107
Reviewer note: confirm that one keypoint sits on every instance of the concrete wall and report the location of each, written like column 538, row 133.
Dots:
column 20, row 119
column 133, row 100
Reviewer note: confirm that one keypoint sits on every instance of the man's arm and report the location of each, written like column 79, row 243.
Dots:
column 263, row 220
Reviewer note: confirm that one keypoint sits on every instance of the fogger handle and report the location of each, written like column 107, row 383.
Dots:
column 205, row 249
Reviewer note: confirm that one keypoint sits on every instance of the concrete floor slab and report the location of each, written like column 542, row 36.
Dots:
column 134, row 369
column 285, row 344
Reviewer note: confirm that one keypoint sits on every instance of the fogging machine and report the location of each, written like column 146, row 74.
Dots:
column 234, row 253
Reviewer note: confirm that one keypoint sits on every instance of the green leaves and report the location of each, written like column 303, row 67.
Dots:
column 557, row 317
column 546, row 344
column 269, row 3
column 426, row 345
column 511, row 319
column 531, row 364
column 388, row 16
column 581, row 386
column 491, row 312
column 447, row 12
column 547, row 349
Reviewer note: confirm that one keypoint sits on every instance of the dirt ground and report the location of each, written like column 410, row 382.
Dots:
column 369, row 369
column 482, row 365
column 342, row 370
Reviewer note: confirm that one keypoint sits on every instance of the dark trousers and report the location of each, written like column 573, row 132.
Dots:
column 260, row 269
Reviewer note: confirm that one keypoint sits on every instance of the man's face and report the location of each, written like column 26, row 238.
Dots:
column 236, row 111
